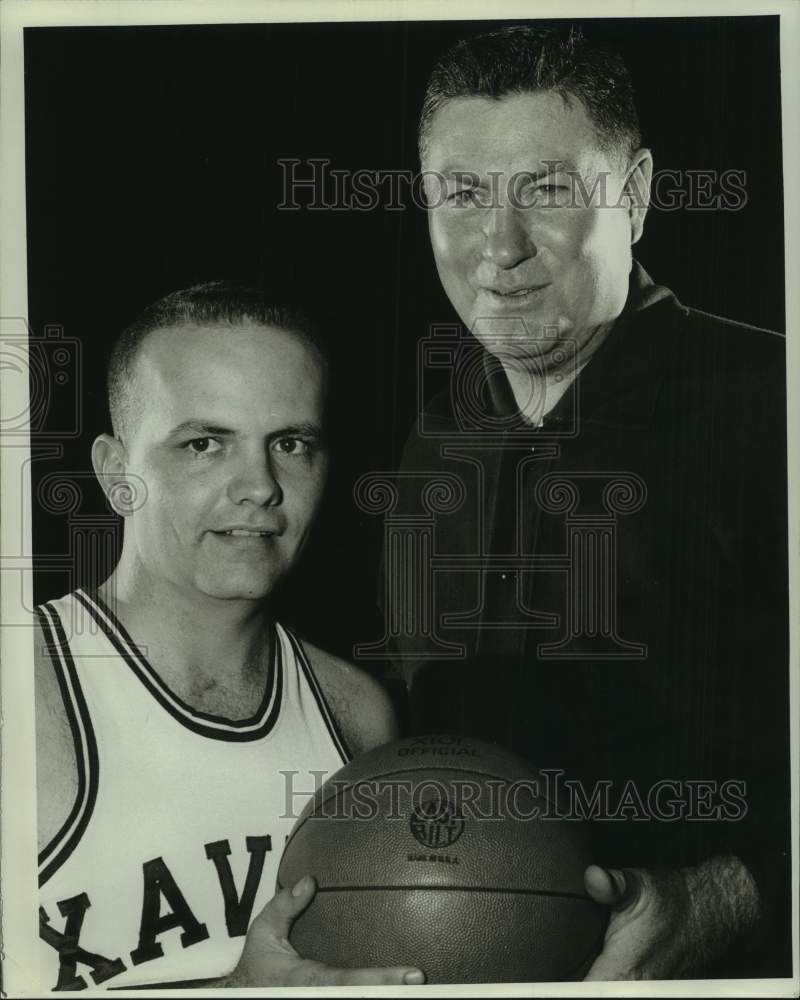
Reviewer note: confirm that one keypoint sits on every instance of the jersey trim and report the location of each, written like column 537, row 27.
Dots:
column 204, row 724
column 54, row 854
column 324, row 710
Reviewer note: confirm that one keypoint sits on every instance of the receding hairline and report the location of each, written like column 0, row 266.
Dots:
column 613, row 151
column 120, row 406
column 293, row 329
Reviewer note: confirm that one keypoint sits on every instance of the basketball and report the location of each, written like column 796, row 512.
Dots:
column 448, row 854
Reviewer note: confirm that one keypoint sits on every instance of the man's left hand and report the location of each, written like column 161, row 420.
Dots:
column 671, row 924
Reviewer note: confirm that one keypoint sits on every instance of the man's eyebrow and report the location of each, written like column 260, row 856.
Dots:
column 200, row 428
column 554, row 166
column 298, row 430
column 451, row 171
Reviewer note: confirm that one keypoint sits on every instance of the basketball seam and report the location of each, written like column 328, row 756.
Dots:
column 593, row 949
column 453, row 888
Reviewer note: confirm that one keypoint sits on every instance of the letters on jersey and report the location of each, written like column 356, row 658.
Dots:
column 164, row 909
column 172, row 845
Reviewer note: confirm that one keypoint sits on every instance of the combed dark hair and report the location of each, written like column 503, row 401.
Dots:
column 528, row 58
column 210, row 304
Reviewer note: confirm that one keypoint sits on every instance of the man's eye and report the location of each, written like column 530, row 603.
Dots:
column 203, row 446
column 554, row 191
column 550, row 189
column 464, row 197
column 543, row 195
column 293, row 446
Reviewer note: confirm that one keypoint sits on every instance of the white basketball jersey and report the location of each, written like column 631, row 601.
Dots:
column 173, row 843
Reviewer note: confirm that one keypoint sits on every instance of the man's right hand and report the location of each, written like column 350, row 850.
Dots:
column 269, row 959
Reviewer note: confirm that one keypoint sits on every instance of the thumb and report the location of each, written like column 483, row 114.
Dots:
column 614, row 887
column 286, row 906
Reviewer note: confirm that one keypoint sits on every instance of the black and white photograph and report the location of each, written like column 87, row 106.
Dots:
column 398, row 498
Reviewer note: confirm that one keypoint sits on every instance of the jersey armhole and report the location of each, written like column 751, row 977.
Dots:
column 322, row 703
column 64, row 842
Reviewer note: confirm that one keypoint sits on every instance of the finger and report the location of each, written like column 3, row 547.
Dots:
column 310, row 973
column 618, row 888
column 604, row 885
column 285, row 906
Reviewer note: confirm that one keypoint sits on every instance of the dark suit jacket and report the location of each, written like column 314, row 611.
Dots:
column 617, row 584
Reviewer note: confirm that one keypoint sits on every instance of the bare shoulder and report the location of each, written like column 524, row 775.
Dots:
column 362, row 708
column 56, row 764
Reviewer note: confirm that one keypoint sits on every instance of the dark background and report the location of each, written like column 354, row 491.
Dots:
column 152, row 164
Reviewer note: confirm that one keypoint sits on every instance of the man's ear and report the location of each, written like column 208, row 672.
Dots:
column 637, row 190
column 109, row 463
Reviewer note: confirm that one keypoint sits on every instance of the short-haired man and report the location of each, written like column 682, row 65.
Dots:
column 170, row 701
column 623, row 459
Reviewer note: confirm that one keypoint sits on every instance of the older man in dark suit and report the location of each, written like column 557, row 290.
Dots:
column 613, row 594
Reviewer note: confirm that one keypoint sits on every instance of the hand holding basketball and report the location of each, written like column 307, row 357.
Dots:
column 670, row 924
column 445, row 852
column 269, row 960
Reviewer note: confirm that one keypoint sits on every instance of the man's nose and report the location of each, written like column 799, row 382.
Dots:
column 255, row 482
column 507, row 237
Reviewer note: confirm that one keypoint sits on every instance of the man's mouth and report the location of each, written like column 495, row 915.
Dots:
column 246, row 533
column 240, row 532
column 514, row 293
column 498, row 300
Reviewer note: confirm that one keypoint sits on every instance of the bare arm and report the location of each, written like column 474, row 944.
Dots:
column 362, row 708
column 56, row 764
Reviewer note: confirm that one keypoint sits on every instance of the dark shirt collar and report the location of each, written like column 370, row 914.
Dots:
column 620, row 383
